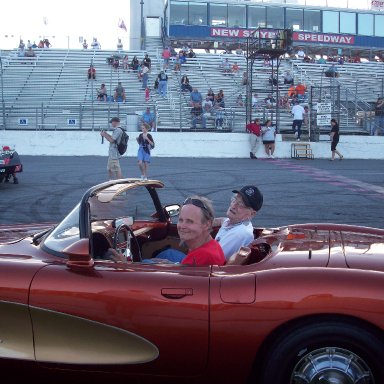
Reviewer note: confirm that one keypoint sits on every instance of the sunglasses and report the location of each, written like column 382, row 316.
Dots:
column 198, row 203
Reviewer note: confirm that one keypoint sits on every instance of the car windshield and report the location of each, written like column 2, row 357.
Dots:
column 66, row 233
column 109, row 204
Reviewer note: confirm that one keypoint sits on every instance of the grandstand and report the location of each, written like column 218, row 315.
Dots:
column 52, row 92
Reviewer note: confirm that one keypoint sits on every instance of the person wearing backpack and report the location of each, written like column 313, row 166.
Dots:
column 162, row 88
column 254, row 130
column 146, row 143
column 113, row 166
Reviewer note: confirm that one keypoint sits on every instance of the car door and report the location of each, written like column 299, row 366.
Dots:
column 133, row 318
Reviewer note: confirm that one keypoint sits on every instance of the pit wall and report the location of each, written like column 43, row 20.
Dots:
column 176, row 144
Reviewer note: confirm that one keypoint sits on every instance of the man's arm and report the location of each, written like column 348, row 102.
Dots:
column 107, row 136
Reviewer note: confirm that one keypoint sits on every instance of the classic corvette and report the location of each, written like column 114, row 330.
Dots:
column 302, row 304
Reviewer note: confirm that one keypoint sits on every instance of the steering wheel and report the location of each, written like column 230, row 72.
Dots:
column 125, row 246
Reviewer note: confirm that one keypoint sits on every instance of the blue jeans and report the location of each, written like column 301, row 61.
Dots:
column 378, row 126
column 195, row 119
column 145, row 80
column 162, row 88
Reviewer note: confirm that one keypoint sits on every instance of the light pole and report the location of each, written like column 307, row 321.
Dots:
column 142, row 25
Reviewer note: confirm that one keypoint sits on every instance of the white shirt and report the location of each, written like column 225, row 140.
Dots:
column 298, row 112
column 232, row 237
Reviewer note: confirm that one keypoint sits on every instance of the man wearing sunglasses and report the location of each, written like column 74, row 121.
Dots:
column 194, row 228
column 236, row 229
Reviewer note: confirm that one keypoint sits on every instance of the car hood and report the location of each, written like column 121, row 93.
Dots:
column 16, row 232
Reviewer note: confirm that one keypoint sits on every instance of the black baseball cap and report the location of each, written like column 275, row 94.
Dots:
column 115, row 119
column 252, row 197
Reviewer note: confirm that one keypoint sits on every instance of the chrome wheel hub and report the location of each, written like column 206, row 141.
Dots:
column 331, row 365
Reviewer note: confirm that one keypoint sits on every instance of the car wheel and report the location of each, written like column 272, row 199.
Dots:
column 325, row 353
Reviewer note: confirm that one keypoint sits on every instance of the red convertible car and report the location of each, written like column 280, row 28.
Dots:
column 304, row 304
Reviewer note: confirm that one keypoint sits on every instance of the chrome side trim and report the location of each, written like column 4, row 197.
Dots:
column 16, row 338
column 66, row 339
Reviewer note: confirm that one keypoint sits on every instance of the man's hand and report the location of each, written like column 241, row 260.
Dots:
column 117, row 256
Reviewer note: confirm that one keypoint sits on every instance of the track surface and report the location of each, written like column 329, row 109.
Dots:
column 348, row 191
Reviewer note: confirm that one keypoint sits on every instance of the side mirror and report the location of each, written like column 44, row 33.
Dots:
column 78, row 254
column 172, row 210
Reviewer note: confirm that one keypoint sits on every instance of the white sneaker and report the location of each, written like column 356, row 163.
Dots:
column 142, row 177
column 272, row 157
column 145, row 178
column 269, row 156
column 297, row 139
column 296, row 133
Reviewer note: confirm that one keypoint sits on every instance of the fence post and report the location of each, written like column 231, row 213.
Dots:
column 80, row 116
column 42, row 116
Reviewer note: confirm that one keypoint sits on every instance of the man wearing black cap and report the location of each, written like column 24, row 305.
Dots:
column 236, row 229
column 113, row 167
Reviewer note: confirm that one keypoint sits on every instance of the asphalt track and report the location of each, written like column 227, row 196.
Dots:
column 295, row 191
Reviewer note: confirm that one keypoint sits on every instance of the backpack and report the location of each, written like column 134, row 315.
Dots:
column 123, row 142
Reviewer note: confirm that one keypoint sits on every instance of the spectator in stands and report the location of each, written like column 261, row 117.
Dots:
column 288, row 78
column 226, row 66
column 198, row 115
column 300, row 91
column 34, row 45
column 195, row 98
column 149, row 118
column 211, row 95
column 284, row 103
column 119, row 44
column 185, row 86
column 119, row 94
column 220, row 96
column 182, row 57
column 30, row 53
column 378, row 127
column 29, row 45
column 300, row 54
column 173, row 52
column 298, row 117
column 307, row 59
column 269, row 101
column 332, row 71
column 147, row 94
column 126, row 63
column 47, row 43
column 334, row 135
column 95, row 44
column 147, row 61
column 235, row 68
column 291, row 91
column 91, row 72
column 244, row 80
column 191, row 54
column 166, row 56
column 239, row 51
column 85, row 44
column 207, row 107
column 240, row 100
column 135, row 63
column 219, row 110
column 321, row 60
column 102, row 93
column 267, row 61
column 163, row 81
column 254, row 129
column 268, row 134
column 116, row 63
column 273, row 80
column 41, row 44
column 21, row 45
column 255, row 100
column 177, row 66
column 341, row 60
